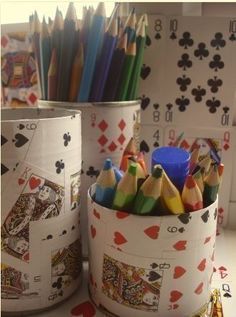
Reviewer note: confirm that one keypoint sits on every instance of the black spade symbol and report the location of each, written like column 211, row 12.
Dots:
column 205, row 216
column 184, row 218
column 153, row 276
column 20, row 140
column 3, row 140
column 144, row 147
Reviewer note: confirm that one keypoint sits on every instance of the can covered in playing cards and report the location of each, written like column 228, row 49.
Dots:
column 41, row 263
column 147, row 266
column 106, row 130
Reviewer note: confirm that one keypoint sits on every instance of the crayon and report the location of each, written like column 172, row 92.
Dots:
column 105, row 185
column 171, row 196
column 148, row 196
column 211, row 186
column 126, row 190
column 191, row 195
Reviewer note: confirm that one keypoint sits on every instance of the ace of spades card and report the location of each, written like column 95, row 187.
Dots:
column 200, row 64
column 32, row 195
column 214, row 142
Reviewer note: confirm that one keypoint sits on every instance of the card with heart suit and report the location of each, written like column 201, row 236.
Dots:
column 218, row 143
column 58, row 241
column 121, row 247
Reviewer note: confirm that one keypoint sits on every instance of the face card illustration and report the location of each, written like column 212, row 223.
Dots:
column 15, row 284
column 214, row 142
column 75, row 181
column 151, row 137
column 153, row 71
column 40, row 198
column 131, row 286
column 199, row 61
column 66, row 266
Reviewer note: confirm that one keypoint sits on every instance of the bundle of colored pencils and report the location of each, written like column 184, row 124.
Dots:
column 94, row 59
column 137, row 192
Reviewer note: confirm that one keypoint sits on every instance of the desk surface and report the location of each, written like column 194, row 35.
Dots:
column 224, row 279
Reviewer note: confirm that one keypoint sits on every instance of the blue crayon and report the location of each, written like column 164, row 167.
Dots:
column 105, row 185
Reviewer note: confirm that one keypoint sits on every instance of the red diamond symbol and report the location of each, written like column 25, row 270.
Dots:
column 226, row 146
column 122, row 124
column 112, row 146
column 121, row 139
column 184, row 144
column 4, row 41
column 103, row 125
column 220, row 210
column 102, row 140
column 32, row 98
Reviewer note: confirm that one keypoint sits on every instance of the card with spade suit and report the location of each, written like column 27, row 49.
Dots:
column 214, row 142
column 200, row 59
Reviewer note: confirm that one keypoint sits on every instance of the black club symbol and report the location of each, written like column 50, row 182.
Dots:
column 59, row 166
column 218, row 41
column 67, row 138
column 182, row 103
column 185, row 62
column 213, row 104
column 201, row 51
column 216, row 63
column 186, row 41
column 169, row 106
column 232, row 37
column 226, row 109
column 148, row 41
column 92, row 172
column 58, row 283
column 198, row 93
column 214, row 83
column 183, row 82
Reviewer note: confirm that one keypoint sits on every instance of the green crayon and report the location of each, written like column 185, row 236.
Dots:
column 149, row 194
column 126, row 190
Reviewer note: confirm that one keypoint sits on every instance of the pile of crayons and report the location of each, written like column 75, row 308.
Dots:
column 131, row 189
column 94, row 59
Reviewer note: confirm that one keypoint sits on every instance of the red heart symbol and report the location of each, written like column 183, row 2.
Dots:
column 34, row 182
column 175, row 295
column 222, row 268
column 175, row 306
column 21, row 181
column 93, row 231
column 207, row 240
column 152, row 232
column 121, row 214
column 96, row 213
column 202, row 265
column 119, row 238
column 179, row 271
column 199, row 289
column 84, row 309
column 220, row 210
column 180, row 245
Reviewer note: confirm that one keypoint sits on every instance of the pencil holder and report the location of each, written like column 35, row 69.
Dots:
column 41, row 262
column 106, row 129
column 158, row 266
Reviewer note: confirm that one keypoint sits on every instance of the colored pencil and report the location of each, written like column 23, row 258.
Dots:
column 129, row 151
column 115, row 70
column 148, row 197
column 52, row 76
column 105, row 185
column 211, row 186
column 104, row 61
column 126, row 190
column 56, row 38
column 94, row 39
column 118, row 173
column 198, row 177
column 129, row 27
column 191, row 195
column 171, row 197
column 140, row 172
column 76, row 73
column 135, row 76
column 141, row 161
column 126, row 72
column 204, row 163
column 194, row 159
column 221, row 170
column 67, row 53
column 45, row 55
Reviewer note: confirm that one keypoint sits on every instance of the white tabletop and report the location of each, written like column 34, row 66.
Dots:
column 224, row 279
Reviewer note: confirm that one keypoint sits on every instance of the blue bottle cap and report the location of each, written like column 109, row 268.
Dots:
column 175, row 162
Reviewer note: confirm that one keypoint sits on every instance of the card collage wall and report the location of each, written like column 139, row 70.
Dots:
column 187, row 87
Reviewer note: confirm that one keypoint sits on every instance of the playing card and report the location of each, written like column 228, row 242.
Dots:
column 151, row 137
column 152, row 72
column 199, row 61
column 32, row 195
column 217, row 143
